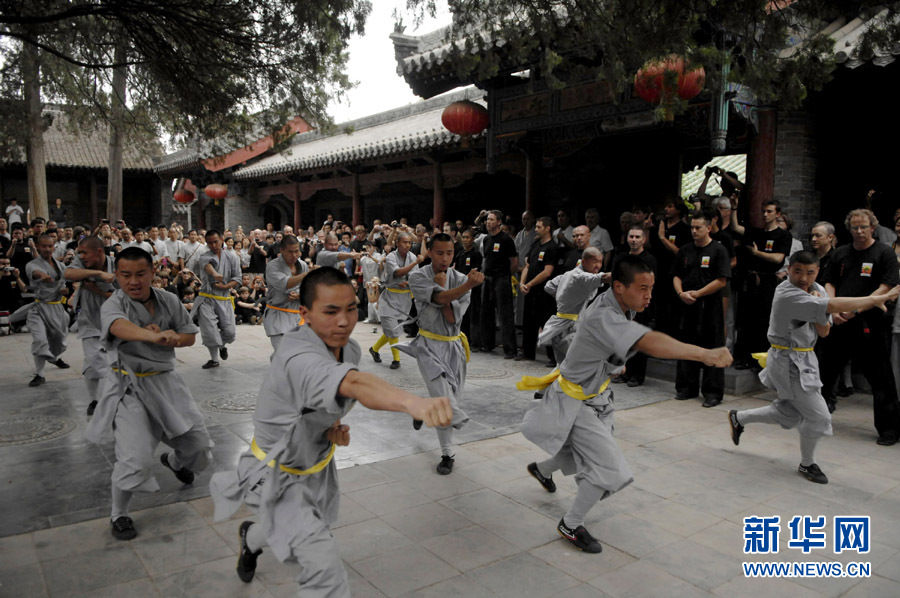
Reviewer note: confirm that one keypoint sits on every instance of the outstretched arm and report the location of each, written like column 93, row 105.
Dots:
column 664, row 346
column 377, row 394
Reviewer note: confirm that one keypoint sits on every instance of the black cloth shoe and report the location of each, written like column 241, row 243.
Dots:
column 91, row 407
column 61, row 364
column 711, row 401
column 445, row 467
column 845, row 391
column 395, row 365
column 619, row 379
column 509, row 356
column 633, row 383
column 579, row 537
column 550, row 364
column 210, row 364
column 223, row 353
column 37, row 380
column 683, row 396
column 417, row 424
column 813, row 474
column 831, row 404
column 736, row 428
column 123, row 528
column 548, row 483
column 184, row 475
column 886, row 440
column 375, row 355
column 246, row 567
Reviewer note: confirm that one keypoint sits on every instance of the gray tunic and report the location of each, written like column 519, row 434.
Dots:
column 441, row 363
column 277, row 273
column 578, row 432
column 297, row 404
column 214, row 316
column 48, row 321
column 95, row 362
column 325, row 258
column 393, row 306
column 571, row 290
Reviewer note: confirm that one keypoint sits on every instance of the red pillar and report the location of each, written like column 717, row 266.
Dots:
column 357, row 201
column 438, row 195
column 760, row 182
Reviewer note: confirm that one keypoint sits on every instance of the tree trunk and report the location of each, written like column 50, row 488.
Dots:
column 116, row 138
column 34, row 151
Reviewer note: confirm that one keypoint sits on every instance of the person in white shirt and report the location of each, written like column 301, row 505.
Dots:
column 599, row 236
column 14, row 212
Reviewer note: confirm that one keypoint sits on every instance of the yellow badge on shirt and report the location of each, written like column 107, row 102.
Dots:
column 578, row 264
column 866, row 269
column 496, row 247
column 770, row 244
column 541, row 256
column 704, row 261
column 468, row 261
column 671, row 238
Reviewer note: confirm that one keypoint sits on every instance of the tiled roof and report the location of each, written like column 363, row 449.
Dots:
column 87, row 148
column 413, row 128
column 690, row 181
column 183, row 159
column 847, row 35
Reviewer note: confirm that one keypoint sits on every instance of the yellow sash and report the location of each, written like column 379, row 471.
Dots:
column 573, row 317
column 390, row 290
column 515, row 285
column 440, row 337
column 219, row 298
column 290, row 311
column 62, row 301
column 259, row 454
column 761, row 357
column 138, row 374
column 570, row 388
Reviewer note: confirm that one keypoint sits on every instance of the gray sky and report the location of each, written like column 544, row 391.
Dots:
column 372, row 64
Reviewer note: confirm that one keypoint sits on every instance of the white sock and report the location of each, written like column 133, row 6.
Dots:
column 213, row 353
column 39, row 363
column 445, row 437
column 256, row 540
column 808, row 450
column 120, row 500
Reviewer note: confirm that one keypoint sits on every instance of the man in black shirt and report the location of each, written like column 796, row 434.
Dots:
column 21, row 250
column 672, row 235
column 701, row 270
column 500, row 261
column 865, row 267
column 11, row 286
column 258, row 255
column 466, row 260
column 762, row 254
column 581, row 238
column 539, row 265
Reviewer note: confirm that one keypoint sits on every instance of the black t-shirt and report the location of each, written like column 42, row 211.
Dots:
column 466, row 261
column 645, row 256
column 859, row 273
column 824, row 260
column 571, row 261
column 357, row 246
column 699, row 266
column 776, row 240
column 5, row 244
column 257, row 261
column 10, row 296
column 540, row 256
column 23, row 254
column 680, row 234
column 498, row 249
column 726, row 240
column 272, row 251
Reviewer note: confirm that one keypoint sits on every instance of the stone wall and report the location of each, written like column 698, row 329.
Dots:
column 795, row 171
column 241, row 210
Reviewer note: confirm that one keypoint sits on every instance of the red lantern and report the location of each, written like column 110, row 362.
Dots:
column 650, row 83
column 465, row 118
column 183, row 196
column 216, row 191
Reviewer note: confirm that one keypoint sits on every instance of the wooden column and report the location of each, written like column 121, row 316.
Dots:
column 760, row 184
column 357, row 200
column 92, row 201
column 529, row 181
column 438, row 216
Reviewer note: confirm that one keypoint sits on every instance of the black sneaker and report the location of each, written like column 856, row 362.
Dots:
column 633, row 383
column 579, row 537
column 712, row 401
column 223, row 353
column 37, row 380
column 831, row 404
column 61, row 364
column 184, row 475
column 445, row 467
column 886, row 440
column 548, row 483
column 736, row 428
column 375, row 355
column 210, row 364
column 91, row 407
column 683, row 396
column 813, row 473
column 246, row 567
column 395, row 365
column 417, row 424
column 123, row 528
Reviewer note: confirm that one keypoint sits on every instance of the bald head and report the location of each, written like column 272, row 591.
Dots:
column 331, row 242
column 581, row 236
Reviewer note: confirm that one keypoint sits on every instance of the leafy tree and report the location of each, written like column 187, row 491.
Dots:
column 195, row 69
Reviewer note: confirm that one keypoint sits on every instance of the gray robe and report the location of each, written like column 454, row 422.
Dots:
column 216, row 317
column 297, row 404
column 441, row 363
column 278, row 322
column 571, row 290
column 395, row 302
column 325, row 259
column 170, row 412
column 579, row 433
column 96, row 365
column 48, row 321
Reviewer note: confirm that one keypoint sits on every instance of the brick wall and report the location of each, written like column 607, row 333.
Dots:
column 795, row 171
column 241, row 210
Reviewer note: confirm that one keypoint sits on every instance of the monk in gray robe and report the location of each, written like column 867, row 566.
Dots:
column 395, row 302
column 330, row 257
column 48, row 320
column 442, row 297
column 574, row 422
column 288, row 474
column 220, row 271
column 144, row 401
column 96, row 272
column 800, row 314
column 283, row 277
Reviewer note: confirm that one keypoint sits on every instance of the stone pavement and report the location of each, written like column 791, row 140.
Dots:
column 486, row 530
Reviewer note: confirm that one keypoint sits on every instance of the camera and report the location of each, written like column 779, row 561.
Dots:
column 7, row 268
